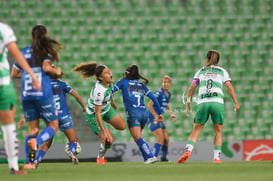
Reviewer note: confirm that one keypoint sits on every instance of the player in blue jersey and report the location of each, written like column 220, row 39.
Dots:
column 99, row 110
column 158, row 128
column 7, row 94
column 60, row 89
column 133, row 92
column 40, row 55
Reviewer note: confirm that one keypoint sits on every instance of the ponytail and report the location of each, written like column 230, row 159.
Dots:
column 44, row 46
column 132, row 73
column 213, row 57
column 90, row 69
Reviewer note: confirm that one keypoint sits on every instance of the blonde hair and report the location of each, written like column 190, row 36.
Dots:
column 213, row 57
column 167, row 77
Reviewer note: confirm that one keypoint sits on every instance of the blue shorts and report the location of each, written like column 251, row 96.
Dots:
column 65, row 122
column 152, row 125
column 137, row 118
column 35, row 109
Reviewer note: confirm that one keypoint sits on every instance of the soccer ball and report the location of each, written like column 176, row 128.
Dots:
column 78, row 148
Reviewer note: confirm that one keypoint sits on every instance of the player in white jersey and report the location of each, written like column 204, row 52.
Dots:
column 99, row 109
column 7, row 95
column 210, row 80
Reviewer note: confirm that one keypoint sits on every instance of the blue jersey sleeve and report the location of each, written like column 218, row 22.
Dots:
column 117, row 86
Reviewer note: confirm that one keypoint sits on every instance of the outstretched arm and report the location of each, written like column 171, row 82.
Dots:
column 189, row 97
column 79, row 99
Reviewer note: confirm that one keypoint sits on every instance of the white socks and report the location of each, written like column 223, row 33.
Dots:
column 11, row 145
column 217, row 154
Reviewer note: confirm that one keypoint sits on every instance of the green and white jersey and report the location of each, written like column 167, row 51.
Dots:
column 100, row 95
column 6, row 36
column 211, row 80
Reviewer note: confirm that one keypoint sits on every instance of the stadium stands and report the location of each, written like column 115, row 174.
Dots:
column 163, row 37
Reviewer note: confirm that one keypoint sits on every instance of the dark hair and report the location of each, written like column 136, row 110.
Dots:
column 44, row 46
column 132, row 73
column 213, row 57
column 89, row 69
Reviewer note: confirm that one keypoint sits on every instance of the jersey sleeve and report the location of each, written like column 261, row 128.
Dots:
column 226, row 76
column 117, row 86
column 66, row 87
column 8, row 35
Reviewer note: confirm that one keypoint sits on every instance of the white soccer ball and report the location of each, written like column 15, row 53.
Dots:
column 78, row 148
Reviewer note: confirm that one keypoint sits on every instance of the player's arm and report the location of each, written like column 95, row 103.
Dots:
column 151, row 108
column 232, row 95
column 157, row 112
column 170, row 112
column 104, row 134
column 189, row 97
column 113, row 104
column 19, row 58
column 15, row 73
column 50, row 69
column 79, row 99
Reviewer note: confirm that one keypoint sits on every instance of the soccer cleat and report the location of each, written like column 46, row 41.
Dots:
column 151, row 160
column 73, row 157
column 32, row 144
column 164, row 160
column 217, row 160
column 101, row 161
column 17, row 172
column 30, row 166
column 184, row 157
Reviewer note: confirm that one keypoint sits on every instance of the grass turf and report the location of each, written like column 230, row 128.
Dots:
column 132, row 171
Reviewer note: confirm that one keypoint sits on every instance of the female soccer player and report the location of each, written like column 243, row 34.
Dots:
column 40, row 56
column 210, row 80
column 60, row 89
column 158, row 128
column 133, row 92
column 7, row 95
column 99, row 110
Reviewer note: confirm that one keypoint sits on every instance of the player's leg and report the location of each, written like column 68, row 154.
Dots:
column 113, row 118
column 134, row 120
column 92, row 123
column 42, row 151
column 47, row 110
column 165, row 146
column 201, row 117
column 217, row 116
column 10, row 138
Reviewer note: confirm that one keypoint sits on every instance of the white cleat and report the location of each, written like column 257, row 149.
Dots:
column 73, row 157
column 151, row 160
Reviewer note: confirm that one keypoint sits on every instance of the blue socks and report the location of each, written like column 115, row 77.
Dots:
column 72, row 147
column 144, row 148
column 40, row 155
column 164, row 152
column 157, row 148
column 45, row 135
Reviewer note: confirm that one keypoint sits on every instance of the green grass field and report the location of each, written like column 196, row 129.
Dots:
column 132, row 171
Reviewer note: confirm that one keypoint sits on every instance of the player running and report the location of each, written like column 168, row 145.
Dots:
column 99, row 110
column 133, row 92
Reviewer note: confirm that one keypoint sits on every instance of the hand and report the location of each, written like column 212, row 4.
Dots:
column 188, row 108
column 21, row 122
column 236, row 107
column 173, row 117
column 36, row 83
column 83, row 109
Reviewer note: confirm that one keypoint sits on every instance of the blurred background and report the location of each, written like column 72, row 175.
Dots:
column 162, row 37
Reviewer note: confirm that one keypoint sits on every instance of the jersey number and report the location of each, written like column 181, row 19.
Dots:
column 28, row 81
